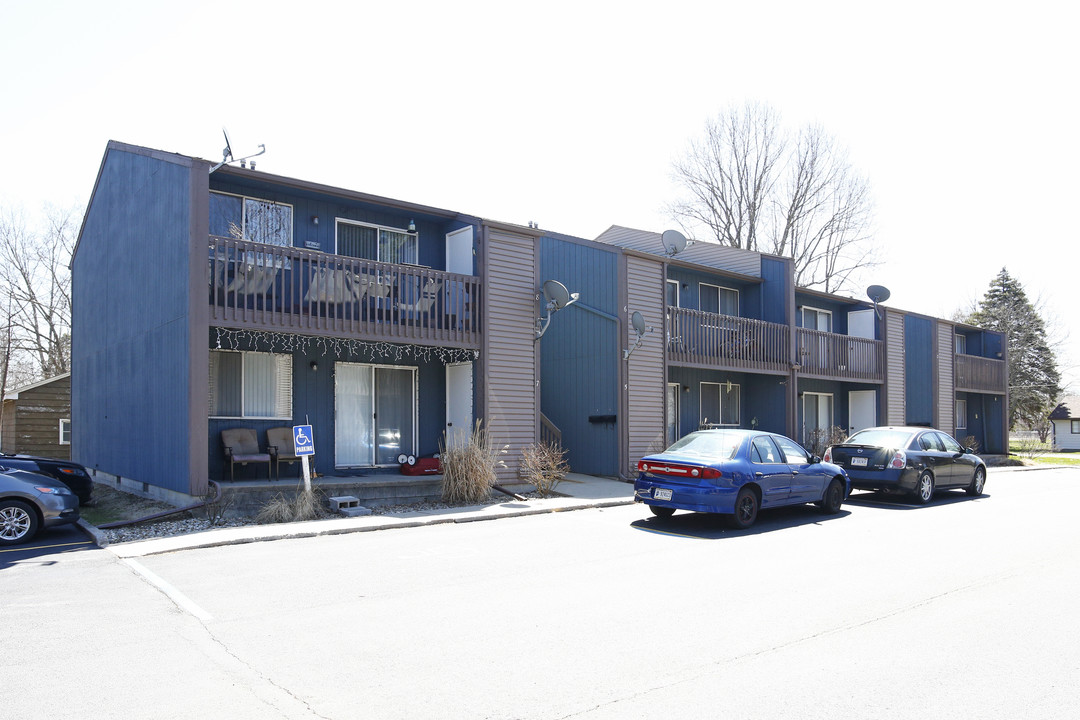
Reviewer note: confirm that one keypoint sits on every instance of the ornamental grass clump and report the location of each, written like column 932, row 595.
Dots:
column 544, row 465
column 468, row 469
column 305, row 505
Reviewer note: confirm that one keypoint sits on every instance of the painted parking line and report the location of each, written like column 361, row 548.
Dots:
column 181, row 600
column 24, row 548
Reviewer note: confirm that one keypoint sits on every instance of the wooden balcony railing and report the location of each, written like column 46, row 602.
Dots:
column 979, row 374
column 842, row 357
column 711, row 340
column 289, row 289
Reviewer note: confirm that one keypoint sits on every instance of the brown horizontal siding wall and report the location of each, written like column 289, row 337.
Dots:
column 32, row 422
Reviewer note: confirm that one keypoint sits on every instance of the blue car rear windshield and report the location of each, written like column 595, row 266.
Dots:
column 881, row 438
column 716, row 445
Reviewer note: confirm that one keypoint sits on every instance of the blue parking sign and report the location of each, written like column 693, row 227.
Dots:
column 303, row 440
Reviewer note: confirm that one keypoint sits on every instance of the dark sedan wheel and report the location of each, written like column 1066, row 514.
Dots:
column 978, row 482
column 834, row 497
column 18, row 522
column 663, row 512
column 924, row 488
column 746, row 508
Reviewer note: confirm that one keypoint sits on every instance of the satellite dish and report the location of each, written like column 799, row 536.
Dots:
column 878, row 293
column 637, row 321
column 226, row 154
column 674, row 242
column 557, row 297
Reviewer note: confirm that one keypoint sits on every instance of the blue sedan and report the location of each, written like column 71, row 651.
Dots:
column 736, row 473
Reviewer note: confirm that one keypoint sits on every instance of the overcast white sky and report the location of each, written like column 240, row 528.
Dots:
column 963, row 115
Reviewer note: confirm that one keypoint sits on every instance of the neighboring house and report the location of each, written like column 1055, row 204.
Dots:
column 205, row 301
column 37, row 419
column 1066, row 422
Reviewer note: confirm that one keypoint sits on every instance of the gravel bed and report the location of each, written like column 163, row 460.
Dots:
column 183, row 526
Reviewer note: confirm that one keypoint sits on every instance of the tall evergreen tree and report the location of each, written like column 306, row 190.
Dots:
column 1034, row 380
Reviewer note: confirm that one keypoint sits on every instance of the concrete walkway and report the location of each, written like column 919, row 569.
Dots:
column 576, row 492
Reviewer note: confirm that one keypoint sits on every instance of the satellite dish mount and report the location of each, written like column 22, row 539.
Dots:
column 637, row 321
column 227, row 154
column 556, row 297
column 674, row 242
column 878, row 294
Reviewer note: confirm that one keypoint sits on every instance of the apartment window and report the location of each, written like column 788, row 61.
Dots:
column 716, row 299
column 720, row 403
column 1075, row 426
column 65, row 431
column 961, row 344
column 375, row 242
column 817, row 416
column 673, row 293
column 247, row 218
column 814, row 319
column 961, row 414
column 250, row 385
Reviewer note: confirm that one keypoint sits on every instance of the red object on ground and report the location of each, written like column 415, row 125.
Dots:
column 423, row 466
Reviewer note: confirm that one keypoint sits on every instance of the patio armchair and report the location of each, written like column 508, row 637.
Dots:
column 242, row 447
column 279, row 441
column 423, row 301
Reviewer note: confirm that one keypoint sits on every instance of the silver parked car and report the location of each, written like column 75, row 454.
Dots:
column 30, row 502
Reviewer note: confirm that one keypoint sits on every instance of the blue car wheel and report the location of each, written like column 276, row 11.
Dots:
column 746, row 509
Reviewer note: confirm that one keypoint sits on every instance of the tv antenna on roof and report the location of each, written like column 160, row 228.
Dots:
column 878, row 294
column 227, row 154
column 674, row 242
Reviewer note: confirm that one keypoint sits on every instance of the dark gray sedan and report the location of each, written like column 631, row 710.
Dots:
column 30, row 502
column 914, row 460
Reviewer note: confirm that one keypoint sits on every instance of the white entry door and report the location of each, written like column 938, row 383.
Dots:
column 862, row 410
column 459, row 403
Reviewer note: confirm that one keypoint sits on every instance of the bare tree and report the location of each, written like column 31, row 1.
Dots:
column 751, row 185
column 34, row 270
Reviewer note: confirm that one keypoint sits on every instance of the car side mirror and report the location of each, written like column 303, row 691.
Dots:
column 815, row 459
column 969, row 451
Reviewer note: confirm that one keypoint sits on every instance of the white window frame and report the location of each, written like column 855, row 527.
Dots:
column 677, row 298
column 961, row 413
column 961, row 344
column 832, row 412
column 719, row 290
column 816, row 311
column 1074, row 427
column 283, row 392
column 721, row 387
column 378, row 244
column 245, row 235
column 65, row 431
column 373, row 437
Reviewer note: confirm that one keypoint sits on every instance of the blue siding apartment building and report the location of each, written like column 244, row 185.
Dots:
column 208, row 300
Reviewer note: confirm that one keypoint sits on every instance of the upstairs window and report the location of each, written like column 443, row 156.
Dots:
column 375, row 242
column 814, row 319
column 961, row 344
column 716, row 299
column 247, row 218
column 672, row 293
column 250, row 385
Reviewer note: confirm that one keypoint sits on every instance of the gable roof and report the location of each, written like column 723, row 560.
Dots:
column 707, row 254
column 1068, row 408
column 14, row 394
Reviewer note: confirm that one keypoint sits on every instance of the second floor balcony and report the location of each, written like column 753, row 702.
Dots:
column 979, row 374
column 711, row 340
column 289, row 289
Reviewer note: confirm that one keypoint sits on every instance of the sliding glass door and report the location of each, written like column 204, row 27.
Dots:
column 375, row 414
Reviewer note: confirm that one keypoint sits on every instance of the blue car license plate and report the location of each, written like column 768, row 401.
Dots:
column 661, row 494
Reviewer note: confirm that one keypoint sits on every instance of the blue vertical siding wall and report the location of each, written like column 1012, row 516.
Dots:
column 774, row 291
column 580, row 353
column 919, row 369
column 130, row 325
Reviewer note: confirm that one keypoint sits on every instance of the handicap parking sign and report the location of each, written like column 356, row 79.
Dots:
column 303, row 440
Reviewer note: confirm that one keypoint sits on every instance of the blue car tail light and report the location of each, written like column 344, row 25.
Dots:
column 679, row 470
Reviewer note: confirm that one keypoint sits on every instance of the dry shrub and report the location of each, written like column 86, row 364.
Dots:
column 304, row 505
column 544, row 465
column 822, row 438
column 469, row 469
